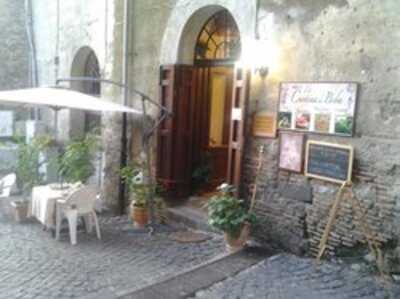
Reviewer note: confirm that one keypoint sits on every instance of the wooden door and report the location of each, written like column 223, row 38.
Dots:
column 219, row 122
column 174, row 148
column 200, row 116
column 241, row 79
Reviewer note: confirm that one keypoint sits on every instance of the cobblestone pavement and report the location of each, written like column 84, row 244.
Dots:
column 34, row 265
column 289, row 277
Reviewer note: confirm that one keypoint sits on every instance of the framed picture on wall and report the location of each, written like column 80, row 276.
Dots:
column 291, row 151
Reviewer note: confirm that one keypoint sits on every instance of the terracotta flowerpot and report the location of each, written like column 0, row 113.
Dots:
column 20, row 210
column 140, row 216
column 234, row 244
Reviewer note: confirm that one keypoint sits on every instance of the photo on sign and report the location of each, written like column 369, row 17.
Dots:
column 285, row 120
column 343, row 124
column 303, row 121
column 291, row 151
column 322, row 123
column 321, row 107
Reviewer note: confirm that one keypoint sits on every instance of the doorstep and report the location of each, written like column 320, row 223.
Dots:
column 190, row 214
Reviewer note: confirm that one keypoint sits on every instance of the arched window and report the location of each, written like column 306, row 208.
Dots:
column 92, row 70
column 219, row 39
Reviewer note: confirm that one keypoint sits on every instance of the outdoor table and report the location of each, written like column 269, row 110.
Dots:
column 44, row 201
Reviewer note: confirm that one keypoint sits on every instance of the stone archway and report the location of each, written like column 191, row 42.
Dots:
column 177, row 55
column 79, row 68
column 187, row 19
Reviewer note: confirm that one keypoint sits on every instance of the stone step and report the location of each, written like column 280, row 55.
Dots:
column 186, row 284
column 189, row 216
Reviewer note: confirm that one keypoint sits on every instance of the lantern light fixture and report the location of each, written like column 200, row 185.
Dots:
column 259, row 55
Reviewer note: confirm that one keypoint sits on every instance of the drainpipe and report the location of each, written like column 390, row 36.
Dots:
column 125, row 79
column 32, row 51
column 257, row 29
column 57, row 49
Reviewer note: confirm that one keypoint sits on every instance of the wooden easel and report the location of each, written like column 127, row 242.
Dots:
column 254, row 186
column 373, row 244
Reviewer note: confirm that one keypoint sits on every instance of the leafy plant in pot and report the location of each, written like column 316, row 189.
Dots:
column 228, row 213
column 30, row 159
column 75, row 164
column 139, row 194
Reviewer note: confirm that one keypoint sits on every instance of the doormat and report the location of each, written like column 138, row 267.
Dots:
column 189, row 237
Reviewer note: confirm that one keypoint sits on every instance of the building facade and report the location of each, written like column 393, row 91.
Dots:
column 307, row 41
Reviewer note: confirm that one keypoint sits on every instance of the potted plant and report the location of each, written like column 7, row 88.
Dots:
column 30, row 159
column 75, row 164
column 139, row 194
column 228, row 213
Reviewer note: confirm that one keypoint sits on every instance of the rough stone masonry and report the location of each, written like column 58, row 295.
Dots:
column 337, row 41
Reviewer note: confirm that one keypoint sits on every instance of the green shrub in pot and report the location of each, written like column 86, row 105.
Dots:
column 76, row 162
column 228, row 213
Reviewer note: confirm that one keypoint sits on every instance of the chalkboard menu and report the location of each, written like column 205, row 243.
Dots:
column 329, row 161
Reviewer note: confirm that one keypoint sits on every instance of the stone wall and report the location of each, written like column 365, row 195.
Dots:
column 14, row 48
column 334, row 41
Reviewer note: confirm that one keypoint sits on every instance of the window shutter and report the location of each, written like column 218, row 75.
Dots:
column 174, row 148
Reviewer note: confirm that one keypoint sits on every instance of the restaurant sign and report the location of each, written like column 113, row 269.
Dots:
column 326, row 108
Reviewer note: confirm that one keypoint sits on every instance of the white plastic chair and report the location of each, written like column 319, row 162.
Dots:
column 79, row 203
column 7, row 185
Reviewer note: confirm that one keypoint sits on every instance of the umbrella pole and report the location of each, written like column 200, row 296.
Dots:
column 58, row 147
column 55, row 124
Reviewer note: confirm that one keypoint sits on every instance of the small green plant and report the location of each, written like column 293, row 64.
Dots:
column 29, row 162
column 75, row 164
column 227, row 213
column 133, row 178
column 202, row 173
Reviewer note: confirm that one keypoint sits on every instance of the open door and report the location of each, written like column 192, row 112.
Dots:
column 241, row 79
column 174, row 149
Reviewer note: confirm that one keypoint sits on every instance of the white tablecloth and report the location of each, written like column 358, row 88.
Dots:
column 43, row 205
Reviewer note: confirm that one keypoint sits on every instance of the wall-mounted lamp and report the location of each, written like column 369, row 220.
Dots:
column 262, row 71
column 259, row 55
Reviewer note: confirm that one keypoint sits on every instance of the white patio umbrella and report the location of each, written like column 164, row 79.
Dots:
column 60, row 98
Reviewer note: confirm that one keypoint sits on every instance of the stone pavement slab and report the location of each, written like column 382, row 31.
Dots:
column 289, row 277
column 34, row 265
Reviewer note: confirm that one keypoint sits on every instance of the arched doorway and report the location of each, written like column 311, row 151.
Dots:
column 217, row 49
column 201, row 143
column 85, row 64
column 92, row 70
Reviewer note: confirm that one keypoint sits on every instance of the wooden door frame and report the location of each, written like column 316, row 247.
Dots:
column 167, row 172
column 240, row 99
